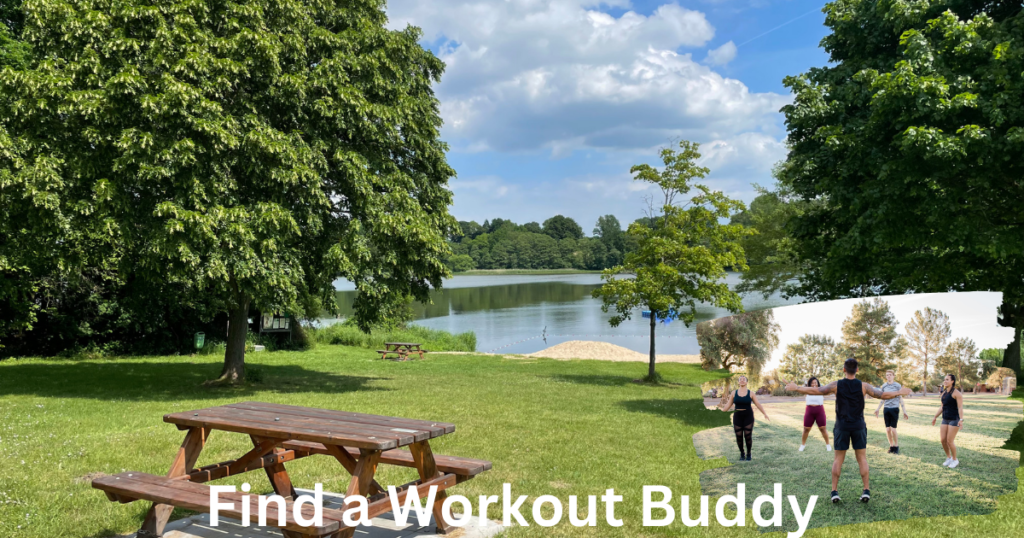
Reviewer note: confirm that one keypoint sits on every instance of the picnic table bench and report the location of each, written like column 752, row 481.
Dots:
column 283, row 433
column 402, row 349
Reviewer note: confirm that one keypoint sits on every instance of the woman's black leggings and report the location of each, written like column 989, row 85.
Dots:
column 744, row 428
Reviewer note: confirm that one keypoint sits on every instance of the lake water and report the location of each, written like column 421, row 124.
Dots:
column 514, row 313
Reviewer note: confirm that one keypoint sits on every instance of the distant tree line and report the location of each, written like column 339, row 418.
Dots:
column 558, row 243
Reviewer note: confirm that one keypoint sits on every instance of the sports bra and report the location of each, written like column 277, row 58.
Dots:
column 815, row 400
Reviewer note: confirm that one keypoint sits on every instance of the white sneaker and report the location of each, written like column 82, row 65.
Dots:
column 828, row 448
column 802, row 447
column 954, row 463
column 947, row 462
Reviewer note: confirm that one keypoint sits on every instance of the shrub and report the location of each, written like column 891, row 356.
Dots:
column 433, row 340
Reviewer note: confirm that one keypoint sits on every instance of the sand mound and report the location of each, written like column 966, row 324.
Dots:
column 603, row 351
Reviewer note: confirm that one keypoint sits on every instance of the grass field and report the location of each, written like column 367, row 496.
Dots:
column 550, row 427
column 911, row 485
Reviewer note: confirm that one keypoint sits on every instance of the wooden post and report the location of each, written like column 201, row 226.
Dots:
column 423, row 458
column 362, row 480
column 184, row 462
column 277, row 474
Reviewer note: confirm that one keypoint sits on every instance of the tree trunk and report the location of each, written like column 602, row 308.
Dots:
column 234, row 355
column 650, row 369
column 1012, row 315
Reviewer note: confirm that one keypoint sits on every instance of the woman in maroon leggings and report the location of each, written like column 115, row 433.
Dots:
column 814, row 414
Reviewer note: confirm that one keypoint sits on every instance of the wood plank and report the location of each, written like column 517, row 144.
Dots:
column 449, row 464
column 362, row 478
column 196, row 497
column 220, row 470
column 348, row 461
column 357, row 424
column 411, row 423
column 276, row 473
column 283, row 432
column 261, row 449
column 274, row 419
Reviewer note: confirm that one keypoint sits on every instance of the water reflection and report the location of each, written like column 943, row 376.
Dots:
column 509, row 313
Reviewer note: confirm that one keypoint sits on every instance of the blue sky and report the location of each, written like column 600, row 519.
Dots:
column 547, row 103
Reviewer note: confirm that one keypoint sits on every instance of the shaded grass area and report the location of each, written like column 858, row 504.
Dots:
column 432, row 339
column 550, row 427
column 911, row 485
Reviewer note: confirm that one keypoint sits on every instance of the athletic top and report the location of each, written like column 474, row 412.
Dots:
column 745, row 401
column 895, row 402
column 815, row 400
column 950, row 411
column 850, row 405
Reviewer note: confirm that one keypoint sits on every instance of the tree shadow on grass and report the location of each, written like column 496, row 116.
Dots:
column 165, row 381
column 690, row 411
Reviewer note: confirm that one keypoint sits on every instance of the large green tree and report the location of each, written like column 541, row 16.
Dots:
column 815, row 355
column 910, row 140
column 681, row 259
column 253, row 152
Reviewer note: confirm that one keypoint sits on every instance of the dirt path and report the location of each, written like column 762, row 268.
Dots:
column 603, row 351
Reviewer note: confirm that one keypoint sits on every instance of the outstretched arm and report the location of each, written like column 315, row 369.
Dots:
column 959, row 395
column 758, row 404
column 813, row 391
column 875, row 392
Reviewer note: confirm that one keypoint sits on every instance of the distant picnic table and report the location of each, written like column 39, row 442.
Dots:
column 402, row 349
column 283, row 433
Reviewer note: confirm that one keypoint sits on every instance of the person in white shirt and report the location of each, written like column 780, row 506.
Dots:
column 892, row 411
column 814, row 414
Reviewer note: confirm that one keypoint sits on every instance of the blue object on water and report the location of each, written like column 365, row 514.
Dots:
column 672, row 316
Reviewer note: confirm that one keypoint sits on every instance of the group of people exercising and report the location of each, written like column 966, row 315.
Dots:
column 850, row 428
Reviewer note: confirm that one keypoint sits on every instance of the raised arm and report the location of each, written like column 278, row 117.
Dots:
column 758, row 404
column 875, row 392
column 813, row 391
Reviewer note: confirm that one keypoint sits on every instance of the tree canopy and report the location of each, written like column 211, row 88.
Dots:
column 869, row 335
column 745, row 341
column 560, row 227
column 681, row 260
column 908, row 143
column 252, row 153
column 814, row 355
column 927, row 334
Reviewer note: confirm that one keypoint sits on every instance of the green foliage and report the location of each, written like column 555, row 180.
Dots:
column 560, row 227
column 961, row 358
column 908, row 141
column 432, row 339
column 869, row 335
column 502, row 244
column 927, row 333
column 460, row 263
column 744, row 341
column 772, row 260
column 814, row 355
column 248, row 153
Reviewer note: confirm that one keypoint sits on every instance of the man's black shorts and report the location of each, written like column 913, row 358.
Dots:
column 844, row 438
column 891, row 416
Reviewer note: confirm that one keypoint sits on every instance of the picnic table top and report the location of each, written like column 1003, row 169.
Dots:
column 340, row 428
column 402, row 344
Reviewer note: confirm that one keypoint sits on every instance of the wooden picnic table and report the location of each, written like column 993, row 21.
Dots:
column 402, row 349
column 283, row 433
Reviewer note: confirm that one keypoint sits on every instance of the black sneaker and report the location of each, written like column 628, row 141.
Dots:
column 866, row 496
column 743, row 457
column 835, row 497
column 748, row 457
column 892, row 450
column 896, row 450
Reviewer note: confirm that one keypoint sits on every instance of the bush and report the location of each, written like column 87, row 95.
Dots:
column 347, row 334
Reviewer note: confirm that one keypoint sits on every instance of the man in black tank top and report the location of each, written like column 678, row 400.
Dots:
column 850, row 427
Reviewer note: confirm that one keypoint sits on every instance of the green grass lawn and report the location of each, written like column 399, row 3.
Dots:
column 550, row 427
column 911, row 485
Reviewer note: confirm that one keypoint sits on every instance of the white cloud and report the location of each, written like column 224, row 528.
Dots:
column 722, row 55
column 560, row 75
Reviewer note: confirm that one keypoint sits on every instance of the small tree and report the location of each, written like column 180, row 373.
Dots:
column 927, row 332
column 745, row 340
column 961, row 358
column 814, row 355
column 681, row 258
column 869, row 335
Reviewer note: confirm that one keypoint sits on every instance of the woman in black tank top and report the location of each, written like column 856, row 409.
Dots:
column 952, row 411
column 743, row 418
